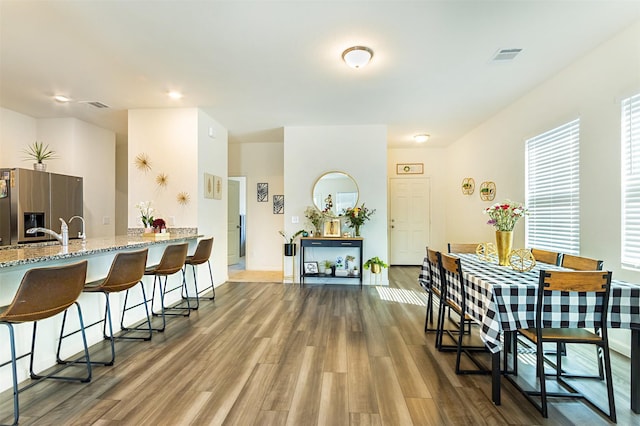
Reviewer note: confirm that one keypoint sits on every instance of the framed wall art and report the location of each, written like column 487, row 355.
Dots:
column 331, row 228
column 263, row 192
column 409, row 168
column 217, row 188
column 208, row 185
column 278, row 204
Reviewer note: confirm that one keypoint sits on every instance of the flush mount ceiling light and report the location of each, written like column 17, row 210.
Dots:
column 357, row 56
column 421, row 138
column 62, row 98
column 175, row 95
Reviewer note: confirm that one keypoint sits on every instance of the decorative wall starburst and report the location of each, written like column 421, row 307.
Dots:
column 183, row 198
column 162, row 179
column 142, row 162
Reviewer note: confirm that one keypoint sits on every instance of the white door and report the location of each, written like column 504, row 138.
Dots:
column 409, row 220
column 233, row 227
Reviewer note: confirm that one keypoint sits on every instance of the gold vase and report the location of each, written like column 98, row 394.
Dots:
column 376, row 269
column 504, row 241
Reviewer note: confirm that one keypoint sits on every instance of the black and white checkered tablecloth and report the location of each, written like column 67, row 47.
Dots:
column 501, row 299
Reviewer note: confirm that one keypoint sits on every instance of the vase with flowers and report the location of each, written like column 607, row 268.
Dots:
column 146, row 215
column 357, row 216
column 159, row 226
column 504, row 216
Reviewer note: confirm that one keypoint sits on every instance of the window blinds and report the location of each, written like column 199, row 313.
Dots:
column 631, row 182
column 552, row 192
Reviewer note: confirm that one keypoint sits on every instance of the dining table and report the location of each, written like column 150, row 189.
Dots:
column 501, row 299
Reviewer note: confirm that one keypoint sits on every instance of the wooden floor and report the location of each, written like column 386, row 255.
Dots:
column 268, row 353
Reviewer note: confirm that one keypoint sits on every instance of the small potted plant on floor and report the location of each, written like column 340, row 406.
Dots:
column 39, row 152
column 376, row 265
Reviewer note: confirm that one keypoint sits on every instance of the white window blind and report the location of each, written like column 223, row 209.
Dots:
column 631, row 182
column 552, row 192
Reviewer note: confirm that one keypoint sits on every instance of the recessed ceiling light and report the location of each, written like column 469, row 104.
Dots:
column 421, row 138
column 62, row 98
column 357, row 56
column 175, row 95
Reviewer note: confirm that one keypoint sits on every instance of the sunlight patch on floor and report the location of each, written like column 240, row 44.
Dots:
column 401, row 295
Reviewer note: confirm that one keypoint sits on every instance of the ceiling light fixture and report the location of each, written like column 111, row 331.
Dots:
column 62, row 98
column 357, row 56
column 421, row 138
column 175, row 95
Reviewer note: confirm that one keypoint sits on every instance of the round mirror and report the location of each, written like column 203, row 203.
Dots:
column 334, row 192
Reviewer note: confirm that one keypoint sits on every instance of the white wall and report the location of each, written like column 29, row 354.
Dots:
column 361, row 152
column 82, row 149
column 177, row 144
column 169, row 139
column 212, row 153
column 590, row 89
column 261, row 162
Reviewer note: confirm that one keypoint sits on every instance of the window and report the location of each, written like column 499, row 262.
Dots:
column 552, row 192
column 631, row 182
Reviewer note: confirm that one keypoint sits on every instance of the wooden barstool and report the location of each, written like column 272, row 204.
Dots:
column 200, row 256
column 127, row 270
column 43, row 293
column 171, row 262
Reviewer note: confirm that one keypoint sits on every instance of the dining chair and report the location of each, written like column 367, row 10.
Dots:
column 43, row 293
column 200, row 256
column 172, row 261
column 451, row 273
column 594, row 289
column 462, row 247
column 545, row 256
column 580, row 263
column 433, row 266
column 126, row 271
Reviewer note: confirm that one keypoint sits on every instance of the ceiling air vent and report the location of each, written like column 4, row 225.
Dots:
column 506, row 55
column 95, row 104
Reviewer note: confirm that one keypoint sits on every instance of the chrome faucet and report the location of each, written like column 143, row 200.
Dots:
column 82, row 234
column 62, row 237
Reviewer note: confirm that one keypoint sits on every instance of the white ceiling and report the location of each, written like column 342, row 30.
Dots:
column 256, row 66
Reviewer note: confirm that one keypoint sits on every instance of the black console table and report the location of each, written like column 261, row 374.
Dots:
column 327, row 242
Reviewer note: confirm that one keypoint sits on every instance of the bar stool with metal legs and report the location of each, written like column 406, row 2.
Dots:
column 127, row 270
column 200, row 256
column 171, row 262
column 43, row 293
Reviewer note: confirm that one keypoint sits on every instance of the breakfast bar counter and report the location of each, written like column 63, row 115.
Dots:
column 15, row 261
column 30, row 254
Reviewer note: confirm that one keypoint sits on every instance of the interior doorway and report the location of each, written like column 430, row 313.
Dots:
column 409, row 220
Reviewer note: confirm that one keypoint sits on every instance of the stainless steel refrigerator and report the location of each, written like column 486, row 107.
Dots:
column 29, row 198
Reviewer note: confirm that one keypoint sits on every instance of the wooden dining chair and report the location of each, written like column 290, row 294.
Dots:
column 451, row 273
column 580, row 263
column 433, row 290
column 553, row 284
column 545, row 256
column 462, row 247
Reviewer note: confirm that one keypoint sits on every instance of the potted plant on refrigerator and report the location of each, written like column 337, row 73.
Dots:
column 39, row 152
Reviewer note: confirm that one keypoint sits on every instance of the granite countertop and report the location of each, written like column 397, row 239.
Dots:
column 41, row 252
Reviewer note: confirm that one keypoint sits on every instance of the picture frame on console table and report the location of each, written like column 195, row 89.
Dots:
column 331, row 228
